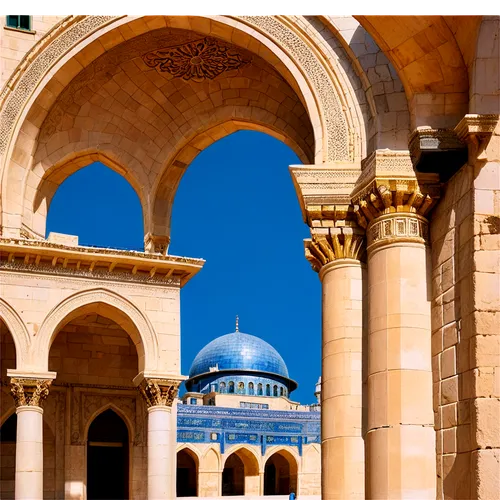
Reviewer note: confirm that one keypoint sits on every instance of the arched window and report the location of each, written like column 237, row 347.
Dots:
column 222, row 387
column 268, row 390
column 99, row 206
column 231, row 387
column 282, row 392
column 275, row 390
column 187, row 474
column 259, row 390
column 241, row 388
column 250, row 389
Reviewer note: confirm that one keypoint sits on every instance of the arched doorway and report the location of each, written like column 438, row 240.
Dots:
column 107, row 458
column 8, row 457
column 187, row 474
column 280, row 474
column 241, row 474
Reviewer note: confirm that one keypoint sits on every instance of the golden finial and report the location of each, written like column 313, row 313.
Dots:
column 237, row 324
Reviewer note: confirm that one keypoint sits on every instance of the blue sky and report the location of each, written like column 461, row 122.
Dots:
column 237, row 209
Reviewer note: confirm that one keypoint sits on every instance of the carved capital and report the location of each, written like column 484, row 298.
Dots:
column 156, row 244
column 397, row 228
column 330, row 244
column 476, row 131
column 159, row 392
column 389, row 184
column 28, row 391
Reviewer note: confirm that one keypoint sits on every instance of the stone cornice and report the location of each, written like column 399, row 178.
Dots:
column 476, row 131
column 123, row 265
column 390, row 184
column 324, row 193
column 329, row 244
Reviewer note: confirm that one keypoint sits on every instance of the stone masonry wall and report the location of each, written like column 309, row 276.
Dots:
column 466, row 333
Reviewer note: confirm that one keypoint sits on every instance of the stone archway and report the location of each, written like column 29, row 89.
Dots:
column 187, row 473
column 240, row 475
column 280, row 474
column 108, row 304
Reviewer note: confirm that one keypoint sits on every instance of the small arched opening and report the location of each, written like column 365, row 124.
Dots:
column 107, row 458
column 231, row 387
column 187, row 473
column 241, row 474
column 280, row 474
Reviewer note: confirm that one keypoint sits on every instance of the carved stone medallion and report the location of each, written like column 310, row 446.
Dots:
column 196, row 60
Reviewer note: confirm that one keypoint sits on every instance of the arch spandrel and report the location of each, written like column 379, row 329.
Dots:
column 19, row 333
column 28, row 109
column 108, row 304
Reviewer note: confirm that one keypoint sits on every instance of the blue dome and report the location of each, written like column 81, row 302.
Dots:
column 239, row 351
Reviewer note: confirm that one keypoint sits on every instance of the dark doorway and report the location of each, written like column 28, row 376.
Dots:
column 233, row 476
column 280, row 474
column 8, row 457
column 107, row 458
column 187, row 474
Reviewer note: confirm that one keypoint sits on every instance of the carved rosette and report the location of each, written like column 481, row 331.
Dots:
column 29, row 392
column 196, row 60
column 159, row 392
column 331, row 244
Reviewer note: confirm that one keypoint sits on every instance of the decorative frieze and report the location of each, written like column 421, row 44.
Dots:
column 159, row 392
column 402, row 227
column 28, row 391
column 330, row 244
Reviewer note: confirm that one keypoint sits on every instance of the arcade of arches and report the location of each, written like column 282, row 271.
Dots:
column 396, row 120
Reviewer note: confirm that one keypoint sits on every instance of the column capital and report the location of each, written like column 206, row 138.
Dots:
column 159, row 391
column 29, row 391
column 389, row 184
column 328, row 245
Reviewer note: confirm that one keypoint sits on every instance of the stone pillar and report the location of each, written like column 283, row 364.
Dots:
column 334, row 252
column 400, row 439
column 29, row 395
column 159, row 395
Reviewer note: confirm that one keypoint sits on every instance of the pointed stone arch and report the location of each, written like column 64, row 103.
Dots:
column 281, row 472
column 109, row 406
column 109, row 304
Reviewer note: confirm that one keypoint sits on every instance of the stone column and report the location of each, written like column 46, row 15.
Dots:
column 334, row 253
column 29, row 395
column 159, row 395
column 400, row 439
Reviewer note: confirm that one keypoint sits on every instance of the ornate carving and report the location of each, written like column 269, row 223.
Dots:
column 34, row 71
column 328, row 245
column 389, row 184
column 159, row 392
column 389, row 228
column 196, row 60
column 339, row 144
column 95, row 274
column 29, row 391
